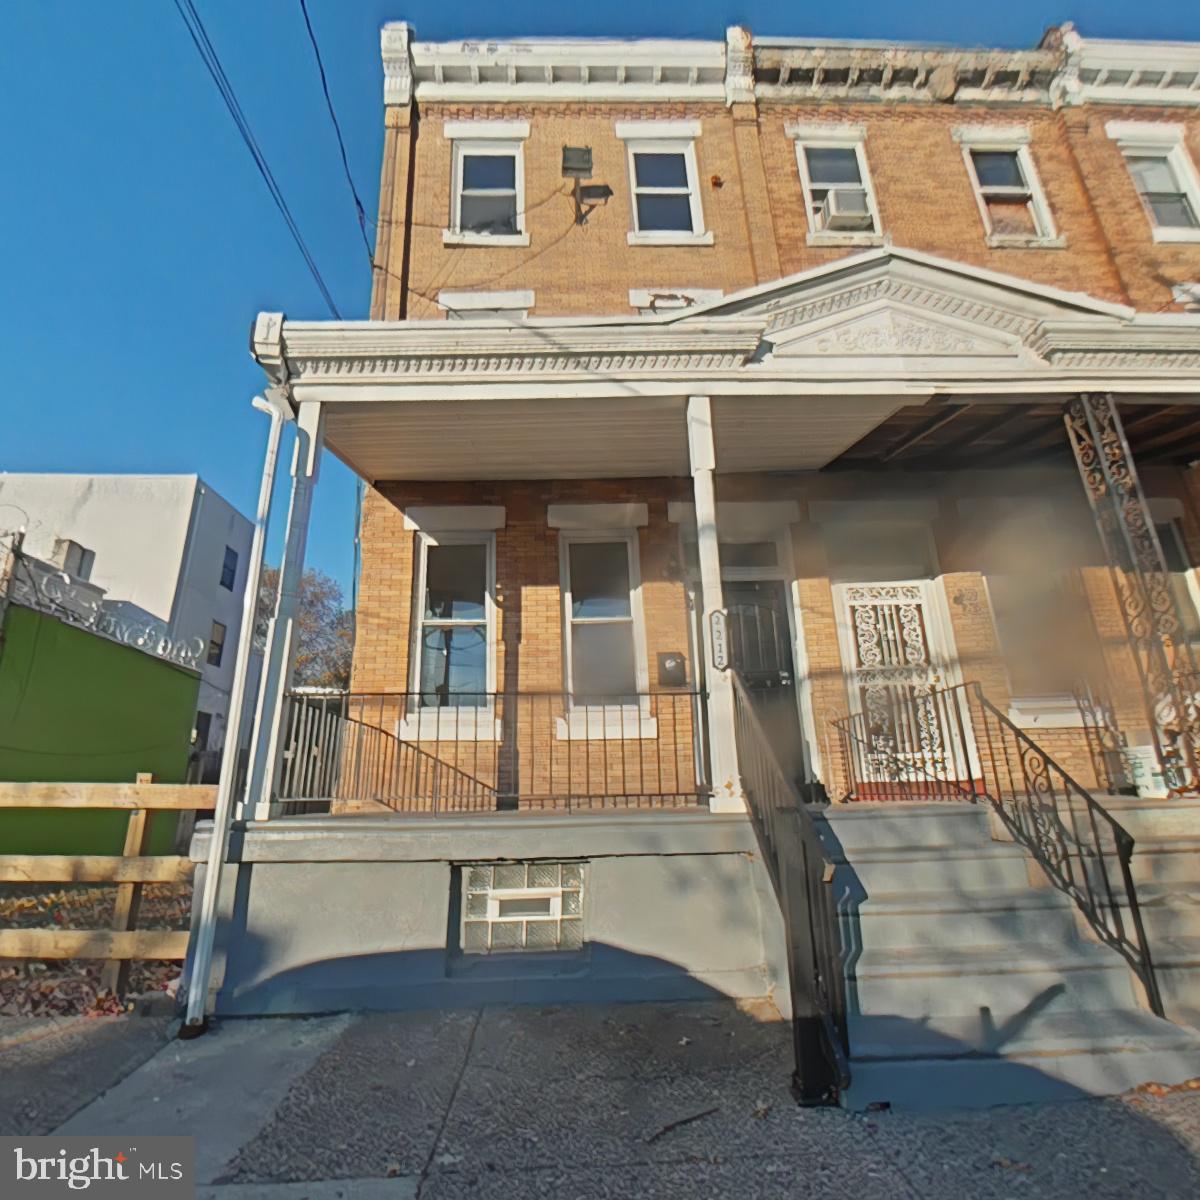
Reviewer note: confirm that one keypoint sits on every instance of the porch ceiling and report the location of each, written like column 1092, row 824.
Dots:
column 950, row 436
column 619, row 437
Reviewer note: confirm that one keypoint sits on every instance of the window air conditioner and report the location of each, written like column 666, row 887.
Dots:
column 846, row 208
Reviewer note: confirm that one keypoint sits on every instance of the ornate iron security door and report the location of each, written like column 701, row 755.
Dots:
column 895, row 652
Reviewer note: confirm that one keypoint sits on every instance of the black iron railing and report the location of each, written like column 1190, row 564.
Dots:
column 494, row 751
column 802, row 875
column 977, row 753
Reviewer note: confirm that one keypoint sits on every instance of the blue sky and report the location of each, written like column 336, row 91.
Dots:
column 137, row 242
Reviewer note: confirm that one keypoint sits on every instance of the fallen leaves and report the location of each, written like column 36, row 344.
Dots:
column 71, row 987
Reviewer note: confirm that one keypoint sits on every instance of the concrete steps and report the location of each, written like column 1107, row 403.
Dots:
column 970, row 981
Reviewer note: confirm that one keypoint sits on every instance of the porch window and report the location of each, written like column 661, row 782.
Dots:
column 604, row 652
column 1163, row 175
column 664, row 182
column 454, row 642
column 1038, row 634
column 838, row 198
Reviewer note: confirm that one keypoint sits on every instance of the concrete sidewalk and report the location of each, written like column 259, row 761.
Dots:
column 629, row 1101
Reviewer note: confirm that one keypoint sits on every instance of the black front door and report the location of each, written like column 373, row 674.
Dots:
column 760, row 647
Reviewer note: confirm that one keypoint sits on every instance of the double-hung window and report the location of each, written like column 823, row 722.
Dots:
column 216, row 645
column 838, row 197
column 487, row 203
column 604, row 637
column 229, row 569
column 1010, row 198
column 663, row 182
column 454, row 636
column 1163, row 175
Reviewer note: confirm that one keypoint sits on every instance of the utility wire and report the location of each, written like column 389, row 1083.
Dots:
column 212, row 62
column 360, row 211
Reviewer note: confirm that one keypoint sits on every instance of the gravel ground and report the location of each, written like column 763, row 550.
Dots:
column 70, row 987
column 607, row 1102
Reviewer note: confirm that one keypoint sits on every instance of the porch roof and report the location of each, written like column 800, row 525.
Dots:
column 801, row 370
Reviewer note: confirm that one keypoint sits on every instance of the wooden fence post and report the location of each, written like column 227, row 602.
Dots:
column 115, row 976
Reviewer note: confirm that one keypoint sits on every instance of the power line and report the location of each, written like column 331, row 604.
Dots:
column 360, row 211
column 212, row 62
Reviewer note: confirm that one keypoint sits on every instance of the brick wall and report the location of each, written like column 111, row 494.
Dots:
column 753, row 203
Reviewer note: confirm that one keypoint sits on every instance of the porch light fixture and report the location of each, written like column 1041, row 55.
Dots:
column 577, row 165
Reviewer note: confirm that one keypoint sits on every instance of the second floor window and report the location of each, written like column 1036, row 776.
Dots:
column 229, row 569
column 487, row 182
column 1158, row 183
column 216, row 645
column 487, row 191
column 664, row 182
column 839, row 201
column 1005, row 193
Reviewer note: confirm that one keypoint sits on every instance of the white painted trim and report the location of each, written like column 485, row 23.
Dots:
column 602, row 517
column 657, row 130
column 991, row 135
column 463, row 147
column 832, row 140
column 675, row 298
column 1045, row 712
column 817, row 133
column 741, row 520
column 451, row 238
column 1145, row 133
column 506, row 130
column 452, row 723
column 895, row 511
column 605, row 723
column 629, row 536
column 1046, row 235
column 460, row 301
column 454, row 518
column 659, row 143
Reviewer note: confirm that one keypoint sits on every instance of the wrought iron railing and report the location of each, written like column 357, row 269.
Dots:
column 494, row 751
column 976, row 752
column 802, row 875
column 1106, row 741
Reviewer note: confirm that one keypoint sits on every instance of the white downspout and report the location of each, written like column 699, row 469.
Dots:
column 195, row 1022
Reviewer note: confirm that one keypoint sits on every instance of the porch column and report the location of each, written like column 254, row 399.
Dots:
column 727, row 794
column 280, row 657
column 1166, row 667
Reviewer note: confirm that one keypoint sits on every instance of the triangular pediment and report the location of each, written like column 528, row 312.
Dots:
column 890, row 304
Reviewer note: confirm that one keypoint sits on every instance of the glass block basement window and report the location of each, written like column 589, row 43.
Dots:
column 522, row 906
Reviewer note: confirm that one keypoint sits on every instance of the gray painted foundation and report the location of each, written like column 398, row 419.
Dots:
column 324, row 914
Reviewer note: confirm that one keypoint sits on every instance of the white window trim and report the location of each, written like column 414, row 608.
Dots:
column 451, row 723
column 606, row 722
column 664, row 137
column 836, row 137
column 652, row 301
column 1160, row 138
column 501, row 304
column 499, row 138
column 1009, row 140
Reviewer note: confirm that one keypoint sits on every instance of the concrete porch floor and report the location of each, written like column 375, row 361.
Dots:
column 617, row 1101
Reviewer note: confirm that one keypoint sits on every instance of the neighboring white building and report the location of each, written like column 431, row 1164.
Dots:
column 164, row 548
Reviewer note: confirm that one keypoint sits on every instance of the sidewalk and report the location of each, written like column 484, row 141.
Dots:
column 581, row 1103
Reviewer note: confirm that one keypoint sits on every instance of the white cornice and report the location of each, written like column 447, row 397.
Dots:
column 1064, row 69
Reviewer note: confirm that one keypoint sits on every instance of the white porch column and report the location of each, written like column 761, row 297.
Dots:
column 280, row 656
column 727, row 795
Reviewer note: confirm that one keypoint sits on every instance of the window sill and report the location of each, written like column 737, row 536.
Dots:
column 450, row 725
column 605, row 724
column 451, row 238
column 1176, row 235
column 1009, row 241
column 1051, row 712
column 822, row 238
column 670, row 239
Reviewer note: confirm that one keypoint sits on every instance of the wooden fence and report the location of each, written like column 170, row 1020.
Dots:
column 128, row 871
